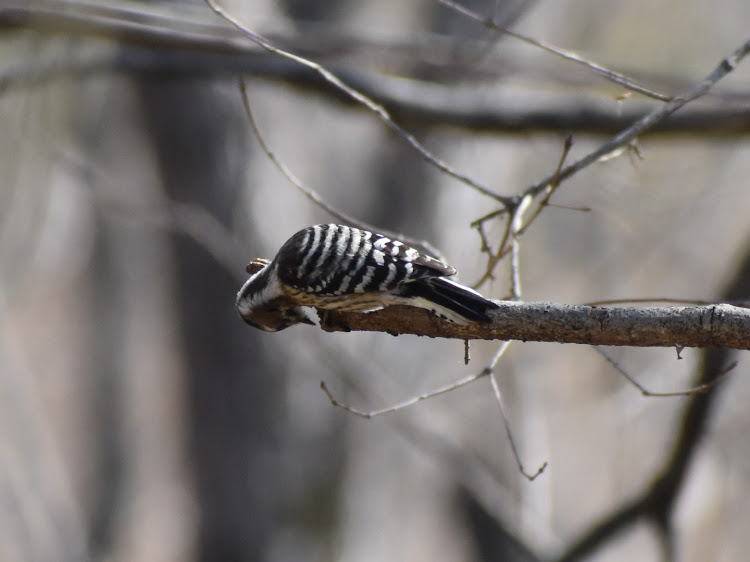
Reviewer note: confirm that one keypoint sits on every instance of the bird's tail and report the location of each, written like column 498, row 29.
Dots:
column 449, row 299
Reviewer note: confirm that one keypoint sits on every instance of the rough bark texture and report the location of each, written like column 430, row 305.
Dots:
column 719, row 325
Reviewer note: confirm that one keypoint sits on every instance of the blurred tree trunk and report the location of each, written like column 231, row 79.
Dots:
column 200, row 143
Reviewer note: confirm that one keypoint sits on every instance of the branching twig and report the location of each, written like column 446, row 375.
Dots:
column 488, row 371
column 499, row 399
column 376, row 108
column 494, row 257
column 656, row 501
column 471, row 469
column 625, row 138
column 512, row 233
column 726, row 66
column 553, row 185
column 688, row 392
column 406, row 403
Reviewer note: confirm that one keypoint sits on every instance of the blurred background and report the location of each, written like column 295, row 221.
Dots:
column 141, row 419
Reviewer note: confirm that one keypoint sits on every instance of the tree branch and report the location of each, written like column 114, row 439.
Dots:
column 718, row 325
column 657, row 500
column 725, row 66
column 176, row 46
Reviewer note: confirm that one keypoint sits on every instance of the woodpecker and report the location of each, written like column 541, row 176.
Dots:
column 335, row 267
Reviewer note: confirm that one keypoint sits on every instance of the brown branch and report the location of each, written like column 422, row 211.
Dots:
column 410, row 101
column 718, row 325
column 170, row 44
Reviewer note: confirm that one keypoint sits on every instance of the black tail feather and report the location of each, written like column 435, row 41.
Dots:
column 452, row 296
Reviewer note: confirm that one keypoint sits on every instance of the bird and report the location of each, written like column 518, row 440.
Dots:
column 337, row 267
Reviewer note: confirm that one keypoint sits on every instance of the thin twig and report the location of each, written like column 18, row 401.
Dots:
column 470, row 468
column 553, row 185
column 688, row 392
column 425, row 396
column 313, row 195
column 494, row 258
column 376, row 108
column 579, row 209
column 406, row 403
column 624, row 138
column 506, row 423
column 488, row 371
column 515, row 245
column 307, row 192
column 511, row 233
column 189, row 219
column 610, row 75
column 485, row 245
column 727, row 65
column 476, row 223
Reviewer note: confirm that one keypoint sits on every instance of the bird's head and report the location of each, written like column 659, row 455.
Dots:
column 262, row 303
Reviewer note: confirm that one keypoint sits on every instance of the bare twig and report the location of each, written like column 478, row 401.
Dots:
column 470, row 468
column 186, row 46
column 406, row 403
column 189, row 219
column 512, row 233
column 553, row 185
column 655, row 503
column 626, row 137
column 623, row 139
column 727, row 65
column 313, row 195
column 509, row 433
column 307, row 192
column 610, row 75
column 516, row 228
column 687, row 392
column 499, row 399
column 494, row 258
column 376, row 108
column 488, row 371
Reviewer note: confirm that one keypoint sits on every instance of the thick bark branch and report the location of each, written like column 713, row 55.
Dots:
column 719, row 325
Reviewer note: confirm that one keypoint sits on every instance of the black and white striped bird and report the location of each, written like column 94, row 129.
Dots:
column 329, row 266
